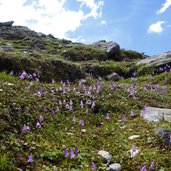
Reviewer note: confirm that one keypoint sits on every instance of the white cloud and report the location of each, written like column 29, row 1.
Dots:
column 95, row 7
column 48, row 16
column 164, row 7
column 103, row 22
column 156, row 27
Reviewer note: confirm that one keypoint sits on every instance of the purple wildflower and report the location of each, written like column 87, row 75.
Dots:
column 93, row 105
column 30, row 159
column 108, row 116
column 93, row 166
column 23, row 75
column 38, row 125
column 132, row 114
column 41, row 118
column 12, row 72
column 66, row 153
column 133, row 152
column 57, row 109
column 25, row 128
column 71, row 103
column 77, row 150
column 72, row 155
column 143, row 168
column 81, row 122
column 123, row 117
column 152, row 166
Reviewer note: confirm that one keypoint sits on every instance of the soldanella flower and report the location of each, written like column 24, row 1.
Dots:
column 144, row 168
column 133, row 152
column 81, row 122
column 108, row 116
column 152, row 166
column 93, row 165
column 30, row 159
column 72, row 155
column 41, row 118
column 38, row 125
column 66, row 153
column 25, row 128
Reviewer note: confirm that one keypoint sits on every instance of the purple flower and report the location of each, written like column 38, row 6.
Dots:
column 132, row 114
column 67, row 106
column 41, row 118
column 23, row 75
column 143, row 168
column 66, row 153
column 93, row 104
column 57, row 109
column 38, row 125
column 133, row 152
column 77, row 150
column 108, row 116
column 93, row 166
column 152, row 166
column 12, row 72
column 123, row 117
column 144, row 110
column 25, row 128
column 30, row 159
column 72, row 155
column 71, row 103
column 81, row 122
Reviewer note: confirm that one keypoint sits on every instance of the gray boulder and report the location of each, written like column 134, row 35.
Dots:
column 159, row 60
column 110, row 47
column 6, row 24
column 113, row 77
column 115, row 167
column 165, row 135
column 153, row 114
column 6, row 48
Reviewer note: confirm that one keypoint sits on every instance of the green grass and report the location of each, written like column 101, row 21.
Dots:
column 21, row 105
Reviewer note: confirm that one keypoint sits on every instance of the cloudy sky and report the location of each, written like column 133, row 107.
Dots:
column 142, row 25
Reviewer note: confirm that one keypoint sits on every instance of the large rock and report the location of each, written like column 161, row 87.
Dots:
column 159, row 60
column 113, row 77
column 165, row 135
column 110, row 47
column 153, row 114
column 6, row 24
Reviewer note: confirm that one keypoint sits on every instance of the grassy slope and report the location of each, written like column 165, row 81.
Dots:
column 61, row 129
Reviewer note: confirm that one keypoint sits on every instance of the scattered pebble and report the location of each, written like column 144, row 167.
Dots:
column 106, row 155
column 115, row 167
column 133, row 137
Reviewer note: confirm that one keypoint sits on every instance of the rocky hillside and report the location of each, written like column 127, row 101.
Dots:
column 60, row 59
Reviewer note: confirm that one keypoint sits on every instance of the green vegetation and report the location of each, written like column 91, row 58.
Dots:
column 22, row 103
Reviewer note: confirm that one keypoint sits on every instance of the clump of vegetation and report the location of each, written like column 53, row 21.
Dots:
column 127, row 55
column 84, row 53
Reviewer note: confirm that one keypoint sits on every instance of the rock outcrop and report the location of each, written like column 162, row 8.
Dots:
column 111, row 48
column 153, row 114
column 159, row 60
column 6, row 24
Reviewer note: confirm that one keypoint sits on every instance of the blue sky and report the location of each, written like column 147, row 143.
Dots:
column 141, row 25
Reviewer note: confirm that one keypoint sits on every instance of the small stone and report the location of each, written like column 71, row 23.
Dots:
column 115, row 167
column 83, row 130
column 106, row 155
column 133, row 137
